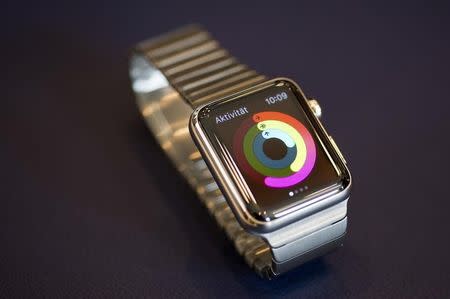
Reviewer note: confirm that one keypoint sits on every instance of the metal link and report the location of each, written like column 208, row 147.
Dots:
column 186, row 54
column 206, row 70
column 197, row 63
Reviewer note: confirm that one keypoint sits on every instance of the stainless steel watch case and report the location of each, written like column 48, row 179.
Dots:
column 227, row 183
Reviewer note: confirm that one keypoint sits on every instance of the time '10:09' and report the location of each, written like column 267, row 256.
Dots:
column 276, row 98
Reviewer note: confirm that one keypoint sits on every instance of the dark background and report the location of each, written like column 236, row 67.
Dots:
column 90, row 207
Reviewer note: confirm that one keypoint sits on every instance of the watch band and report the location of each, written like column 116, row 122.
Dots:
column 173, row 74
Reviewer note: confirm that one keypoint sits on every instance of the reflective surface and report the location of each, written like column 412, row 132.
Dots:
column 272, row 148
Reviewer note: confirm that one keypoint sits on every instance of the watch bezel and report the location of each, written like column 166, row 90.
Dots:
column 227, row 182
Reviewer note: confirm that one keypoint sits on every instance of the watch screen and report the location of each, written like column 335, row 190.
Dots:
column 271, row 147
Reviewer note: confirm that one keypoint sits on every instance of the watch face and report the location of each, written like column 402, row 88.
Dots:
column 272, row 146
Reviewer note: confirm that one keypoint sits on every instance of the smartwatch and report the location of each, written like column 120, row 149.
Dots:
column 252, row 148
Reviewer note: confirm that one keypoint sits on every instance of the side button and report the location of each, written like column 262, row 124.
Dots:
column 337, row 149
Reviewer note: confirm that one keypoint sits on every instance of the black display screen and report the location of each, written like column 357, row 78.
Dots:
column 271, row 146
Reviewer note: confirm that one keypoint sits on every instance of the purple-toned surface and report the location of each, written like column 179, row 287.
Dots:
column 91, row 208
